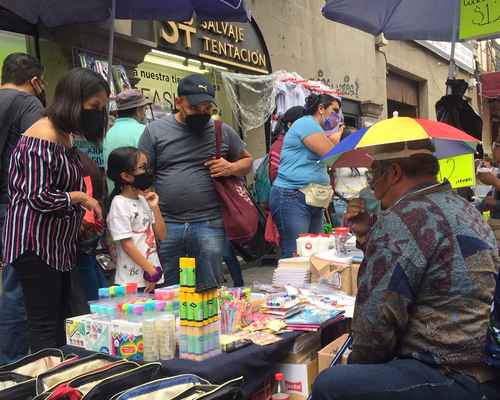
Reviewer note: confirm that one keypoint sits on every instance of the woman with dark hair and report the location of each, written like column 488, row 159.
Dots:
column 48, row 201
column 302, row 189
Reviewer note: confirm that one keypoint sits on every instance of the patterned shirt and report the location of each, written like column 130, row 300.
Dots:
column 426, row 284
column 40, row 216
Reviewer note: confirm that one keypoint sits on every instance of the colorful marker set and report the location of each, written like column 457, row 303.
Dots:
column 199, row 316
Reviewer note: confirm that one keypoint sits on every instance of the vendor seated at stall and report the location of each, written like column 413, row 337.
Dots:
column 424, row 289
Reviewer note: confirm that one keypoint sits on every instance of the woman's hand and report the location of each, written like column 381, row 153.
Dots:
column 89, row 203
column 93, row 205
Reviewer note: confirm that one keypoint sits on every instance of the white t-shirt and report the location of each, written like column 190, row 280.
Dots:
column 132, row 218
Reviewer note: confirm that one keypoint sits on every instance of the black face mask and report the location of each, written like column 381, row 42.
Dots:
column 197, row 122
column 143, row 181
column 92, row 125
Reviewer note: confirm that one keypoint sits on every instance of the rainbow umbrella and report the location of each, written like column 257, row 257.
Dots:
column 355, row 150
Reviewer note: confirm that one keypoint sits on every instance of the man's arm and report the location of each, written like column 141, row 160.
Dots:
column 239, row 160
column 389, row 279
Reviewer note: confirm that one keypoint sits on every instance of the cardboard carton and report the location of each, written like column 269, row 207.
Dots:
column 328, row 353
column 299, row 378
column 339, row 275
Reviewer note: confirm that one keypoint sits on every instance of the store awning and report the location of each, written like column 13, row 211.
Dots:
column 490, row 85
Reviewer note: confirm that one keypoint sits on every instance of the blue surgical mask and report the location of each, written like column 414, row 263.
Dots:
column 332, row 121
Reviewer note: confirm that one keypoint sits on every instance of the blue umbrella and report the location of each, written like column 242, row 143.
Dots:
column 401, row 19
column 53, row 13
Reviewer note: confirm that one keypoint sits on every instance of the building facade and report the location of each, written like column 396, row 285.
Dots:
column 375, row 77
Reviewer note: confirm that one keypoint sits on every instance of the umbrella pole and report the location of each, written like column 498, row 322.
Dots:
column 452, row 67
column 111, row 42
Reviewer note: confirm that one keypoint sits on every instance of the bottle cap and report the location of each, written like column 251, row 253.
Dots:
column 131, row 288
column 160, row 305
column 279, row 376
column 110, row 311
column 150, row 306
column 187, row 262
column 120, row 291
column 103, row 293
column 138, row 309
column 341, row 231
column 112, row 291
column 94, row 308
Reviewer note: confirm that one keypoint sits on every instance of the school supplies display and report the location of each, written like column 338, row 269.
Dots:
column 127, row 324
column 199, row 316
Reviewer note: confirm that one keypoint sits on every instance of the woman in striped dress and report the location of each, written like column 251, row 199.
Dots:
column 48, row 200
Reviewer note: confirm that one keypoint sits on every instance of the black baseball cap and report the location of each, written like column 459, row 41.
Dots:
column 197, row 89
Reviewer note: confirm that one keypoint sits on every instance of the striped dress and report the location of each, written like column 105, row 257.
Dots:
column 40, row 216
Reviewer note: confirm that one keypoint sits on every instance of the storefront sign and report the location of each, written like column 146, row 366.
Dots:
column 459, row 171
column 345, row 87
column 233, row 44
column 479, row 18
column 464, row 57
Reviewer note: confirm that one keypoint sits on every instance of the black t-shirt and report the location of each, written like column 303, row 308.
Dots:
column 14, row 121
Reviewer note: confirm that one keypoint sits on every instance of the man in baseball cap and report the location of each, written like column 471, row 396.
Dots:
column 181, row 148
column 127, row 130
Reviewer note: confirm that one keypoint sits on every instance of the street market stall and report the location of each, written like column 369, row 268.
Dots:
column 216, row 335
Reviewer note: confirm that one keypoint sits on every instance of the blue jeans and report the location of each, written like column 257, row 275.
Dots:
column 292, row 216
column 13, row 321
column 400, row 379
column 233, row 265
column 340, row 207
column 91, row 276
column 201, row 240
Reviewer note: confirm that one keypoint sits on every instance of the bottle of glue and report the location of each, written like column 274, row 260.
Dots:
column 280, row 392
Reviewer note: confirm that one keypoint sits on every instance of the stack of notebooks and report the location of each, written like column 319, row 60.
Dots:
column 311, row 319
column 282, row 308
column 292, row 271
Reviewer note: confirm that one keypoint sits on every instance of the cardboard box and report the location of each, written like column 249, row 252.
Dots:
column 305, row 345
column 328, row 353
column 299, row 378
column 337, row 275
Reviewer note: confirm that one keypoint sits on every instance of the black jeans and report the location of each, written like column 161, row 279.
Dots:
column 47, row 294
column 400, row 379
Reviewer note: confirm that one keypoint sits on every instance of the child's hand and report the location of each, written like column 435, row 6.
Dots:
column 150, row 287
column 152, row 199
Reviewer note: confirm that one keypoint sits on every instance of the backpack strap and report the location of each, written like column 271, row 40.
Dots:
column 218, row 138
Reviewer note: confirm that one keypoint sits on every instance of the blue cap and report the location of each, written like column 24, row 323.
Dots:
column 120, row 291
column 104, row 293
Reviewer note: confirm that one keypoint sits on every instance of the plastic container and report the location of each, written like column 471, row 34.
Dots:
column 307, row 245
column 323, row 243
column 341, row 236
column 279, row 392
